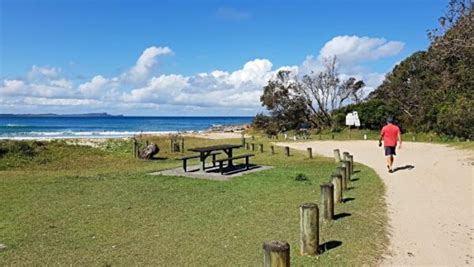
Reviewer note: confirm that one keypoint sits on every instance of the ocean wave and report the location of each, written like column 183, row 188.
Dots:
column 79, row 134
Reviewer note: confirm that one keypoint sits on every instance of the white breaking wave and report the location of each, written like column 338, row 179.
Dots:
column 77, row 135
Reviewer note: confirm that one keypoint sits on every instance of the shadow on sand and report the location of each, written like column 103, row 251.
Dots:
column 406, row 167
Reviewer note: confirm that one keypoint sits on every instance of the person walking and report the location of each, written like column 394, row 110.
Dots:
column 390, row 134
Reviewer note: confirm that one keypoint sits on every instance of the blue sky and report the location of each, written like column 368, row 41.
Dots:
column 50, row 48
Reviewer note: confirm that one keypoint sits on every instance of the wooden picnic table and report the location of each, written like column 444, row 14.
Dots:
column 204, row 152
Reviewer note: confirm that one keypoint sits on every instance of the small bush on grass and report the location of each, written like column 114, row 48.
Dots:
column 301, row 177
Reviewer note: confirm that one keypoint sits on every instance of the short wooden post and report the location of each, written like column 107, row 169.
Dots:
column 276, row 254
column 272, row 149
column 332, row 136
column 337, row 183
column 182, row 145
column 146, row 143
column 171, row 145
column 342, row 171
column 346, row 166
column 261, row 147
column 327, row 201
column 414, row 138
column 287, row 151
column 345, row 155
column 134, row 150
column 310, row 152
column 253, row 147
column 351, row 159
column 309, row 229
column 337, row 155
column 242, row 139
column 247, row 146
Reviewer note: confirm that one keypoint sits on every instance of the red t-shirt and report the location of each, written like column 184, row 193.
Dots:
column 390, row 134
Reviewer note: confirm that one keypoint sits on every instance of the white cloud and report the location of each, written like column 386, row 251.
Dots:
column 44, row 101
column 158, row 90
column 95, row 87
column 353, row 49
column 12, row 87
column 40, row 72
column 146, row 62
column 138, row 89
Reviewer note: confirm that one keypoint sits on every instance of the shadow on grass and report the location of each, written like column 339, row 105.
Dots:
column 329, row 245
column 406, row 167
column 341, row 215
column 228, row 170
column 355, row 179
column 356, row 171
column 158, row 158
column 351, row 188
column 348, row 199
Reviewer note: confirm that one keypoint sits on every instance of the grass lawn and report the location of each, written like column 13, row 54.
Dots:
column 73, row 205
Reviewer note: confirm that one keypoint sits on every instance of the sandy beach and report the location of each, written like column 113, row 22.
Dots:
column 431, row 206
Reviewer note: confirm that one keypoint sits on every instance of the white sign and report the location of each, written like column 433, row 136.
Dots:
column 352, row 119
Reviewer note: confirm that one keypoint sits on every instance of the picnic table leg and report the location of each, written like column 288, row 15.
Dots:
column 247, row 162
column 213, row 160
column 184, row 165
column 229, row 155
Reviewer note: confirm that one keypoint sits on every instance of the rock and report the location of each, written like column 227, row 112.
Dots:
column 149, row 151
column 3, row 247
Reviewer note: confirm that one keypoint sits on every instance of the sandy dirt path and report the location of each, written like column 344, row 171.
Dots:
column 431, row 206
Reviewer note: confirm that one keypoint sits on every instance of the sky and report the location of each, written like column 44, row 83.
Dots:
column 192, row 58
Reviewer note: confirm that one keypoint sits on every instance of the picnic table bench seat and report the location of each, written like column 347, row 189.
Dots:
column 221, row 161
column 185, row 159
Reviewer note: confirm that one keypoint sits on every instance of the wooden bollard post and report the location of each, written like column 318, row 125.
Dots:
column 345, row 155
column 261, row 148
column 134, row 150
column 276, row 254
column 337, row 184
column 351, row 159
column 253, row 146
column 247, row 146
column 346, row 165
column 287, row 151
column 337, row 155
column 309, row 229
column 327, row 201
column 272, row 149
column 332, row 136
column 342, row 172
column 182, row 145
column 310, row 152
column 242, row 139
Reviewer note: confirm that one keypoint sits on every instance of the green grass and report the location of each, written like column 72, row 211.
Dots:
column 88, row 206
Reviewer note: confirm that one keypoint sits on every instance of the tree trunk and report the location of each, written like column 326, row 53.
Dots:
column 149, row 151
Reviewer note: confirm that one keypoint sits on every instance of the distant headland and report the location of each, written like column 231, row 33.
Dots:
column 104, row 114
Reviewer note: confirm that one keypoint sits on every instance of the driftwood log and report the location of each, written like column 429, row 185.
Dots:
column 148, row 152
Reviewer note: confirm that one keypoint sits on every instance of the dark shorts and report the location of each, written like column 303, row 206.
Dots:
column 390, row 150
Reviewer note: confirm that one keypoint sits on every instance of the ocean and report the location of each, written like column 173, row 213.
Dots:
column 36, row 127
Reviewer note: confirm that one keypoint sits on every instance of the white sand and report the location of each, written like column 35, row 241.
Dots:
column 431, row 207
column 215, row 135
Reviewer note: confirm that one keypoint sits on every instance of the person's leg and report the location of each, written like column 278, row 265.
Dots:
column 391, row 162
